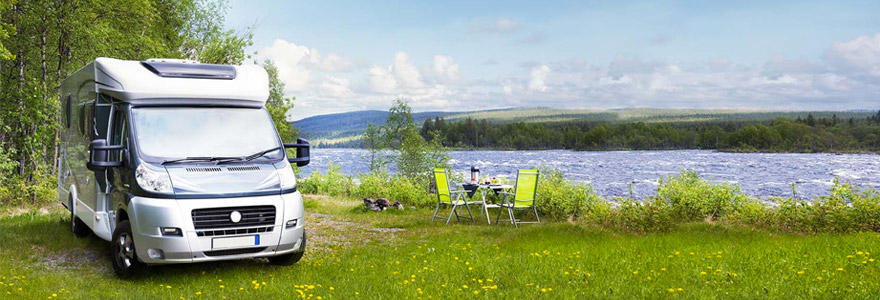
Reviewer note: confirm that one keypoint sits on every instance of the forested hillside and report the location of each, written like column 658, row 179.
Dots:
column 348, row 128
column 636, row 128
column 42, row 41
column 802, row 134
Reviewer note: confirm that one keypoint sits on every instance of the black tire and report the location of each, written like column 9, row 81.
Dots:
column 77, row 226
column 123, row 253
column 290, row 258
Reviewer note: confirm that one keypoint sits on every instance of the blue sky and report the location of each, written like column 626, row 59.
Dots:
column 340, row 56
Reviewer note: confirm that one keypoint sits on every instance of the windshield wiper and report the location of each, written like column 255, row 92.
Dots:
column 221, row 159
column 199, row 158
column 260, row 154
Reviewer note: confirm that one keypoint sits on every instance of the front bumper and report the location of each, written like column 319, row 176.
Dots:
column 148, row 215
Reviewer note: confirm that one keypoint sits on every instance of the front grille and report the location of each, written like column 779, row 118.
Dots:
column 234, row 251
column 221, row 232
column 216, row 218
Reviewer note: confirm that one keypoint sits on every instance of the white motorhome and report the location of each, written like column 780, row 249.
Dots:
column 178, row 162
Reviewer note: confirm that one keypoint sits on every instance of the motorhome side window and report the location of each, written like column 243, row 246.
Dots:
column 82, row 119
column 66, row 103
column 120, row 133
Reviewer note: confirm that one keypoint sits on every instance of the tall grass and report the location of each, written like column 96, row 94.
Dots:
column 682, row 198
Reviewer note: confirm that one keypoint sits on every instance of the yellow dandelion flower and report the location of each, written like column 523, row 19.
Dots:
column 839, row 269
column 543, row 290
column 671, row 290
column 702, row 273
column 801, row 272
column 818, row 277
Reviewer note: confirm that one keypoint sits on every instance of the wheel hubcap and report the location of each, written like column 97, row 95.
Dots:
column 125, row 252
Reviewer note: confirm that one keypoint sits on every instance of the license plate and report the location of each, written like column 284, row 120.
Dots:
column 235, row 242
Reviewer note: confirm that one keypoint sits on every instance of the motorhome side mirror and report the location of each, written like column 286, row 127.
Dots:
column 99, row 153
column 302, row 152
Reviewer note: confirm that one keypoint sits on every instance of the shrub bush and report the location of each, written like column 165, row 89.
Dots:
column 332, row 183
column 651, row 215
column 685, row 197
column 380, row 184
column 693, row 198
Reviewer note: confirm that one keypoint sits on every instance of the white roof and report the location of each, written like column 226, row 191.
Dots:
column 132, row 81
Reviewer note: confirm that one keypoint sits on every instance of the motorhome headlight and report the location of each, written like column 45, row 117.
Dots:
column 152, row 180
column 285, row 174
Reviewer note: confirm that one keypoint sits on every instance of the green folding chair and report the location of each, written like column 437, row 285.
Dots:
column 447, row 196
column 524, row 194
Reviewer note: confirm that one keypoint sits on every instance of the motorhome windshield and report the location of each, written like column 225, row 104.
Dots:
column 166, row 133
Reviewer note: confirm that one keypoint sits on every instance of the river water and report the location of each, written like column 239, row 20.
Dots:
column 611, row 172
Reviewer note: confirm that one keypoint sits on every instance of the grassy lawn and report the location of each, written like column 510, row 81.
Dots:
column 400, row 254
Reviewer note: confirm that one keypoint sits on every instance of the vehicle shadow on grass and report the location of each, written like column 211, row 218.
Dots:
column 43, row 241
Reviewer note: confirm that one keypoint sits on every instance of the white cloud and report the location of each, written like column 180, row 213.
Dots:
column 291, row 60
column 538, row 78
column 445, row 69
column 778, row 65
column 333, row 62
column 846, row 77
column 860, row 54
column 297, row 63
column 381, row 80
column 405, row 72
column 334, row 87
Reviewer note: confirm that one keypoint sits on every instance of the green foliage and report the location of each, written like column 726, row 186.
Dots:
column 693, row 198
column 561, row 198
column 378, row 184
column 202, row 37
column 779, row 134
column 683, row 198
column 415, row 157
column 846, row 209
column 636, row 128
column 652, row 215
column 374, row 143
column 5, row 28
column 381, row 184
column 42, row 41
column 331, row 183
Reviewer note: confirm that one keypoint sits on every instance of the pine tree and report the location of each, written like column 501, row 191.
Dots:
column 811, row 121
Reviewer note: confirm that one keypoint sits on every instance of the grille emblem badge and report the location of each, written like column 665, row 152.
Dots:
column 235, row 216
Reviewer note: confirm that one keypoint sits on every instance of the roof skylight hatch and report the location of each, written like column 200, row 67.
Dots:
column 187, row 69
